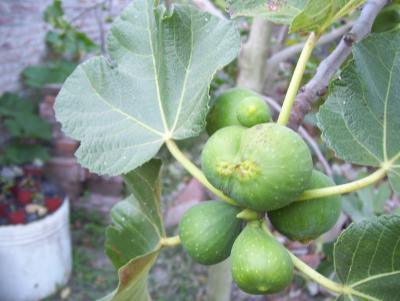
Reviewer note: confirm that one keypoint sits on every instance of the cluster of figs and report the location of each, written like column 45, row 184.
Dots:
column 264, row 167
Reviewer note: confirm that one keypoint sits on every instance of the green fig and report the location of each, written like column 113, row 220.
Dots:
column 237, row 106
column 260, row 265
column 306, row 220
column 208, row 230
column 262, row 168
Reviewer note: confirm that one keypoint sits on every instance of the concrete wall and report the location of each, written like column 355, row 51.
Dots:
column 22, row 31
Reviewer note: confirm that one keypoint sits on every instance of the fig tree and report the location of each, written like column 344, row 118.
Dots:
column 208, row 230
column 260, row 265
column 237, row 106
column 263, row 168
column 306, row 220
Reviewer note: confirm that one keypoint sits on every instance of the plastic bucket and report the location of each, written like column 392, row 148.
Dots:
column 35, row 259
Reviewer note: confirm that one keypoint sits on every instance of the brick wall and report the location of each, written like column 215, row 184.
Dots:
column 22, row 31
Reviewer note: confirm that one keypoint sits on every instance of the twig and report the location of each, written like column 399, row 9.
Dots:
column 303, row 132
column 208, row 6
column 317, row 86
column 288, row 52
column 102, row 34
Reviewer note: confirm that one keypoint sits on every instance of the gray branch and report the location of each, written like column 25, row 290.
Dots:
column 317, row 86
column 288, row 52
column 253, row 55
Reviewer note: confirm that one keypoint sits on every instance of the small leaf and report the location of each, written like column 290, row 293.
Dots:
column 360, row 119
column 318, row 15
column 155, row 88
column 133, row 240
column 278, row 11
column 367, row 259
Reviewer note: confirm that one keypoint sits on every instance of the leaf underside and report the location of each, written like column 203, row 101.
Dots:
column 154, row 88
column 301, row 15
column 360, row 119
column 133, row 240
column 367, row 259
column 278, row 11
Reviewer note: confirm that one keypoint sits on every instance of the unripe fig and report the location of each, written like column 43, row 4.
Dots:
column 306, row 220
column 252, row 110
column 263, row 168
column 260, row 265
column 208, row 230
column 237, row 106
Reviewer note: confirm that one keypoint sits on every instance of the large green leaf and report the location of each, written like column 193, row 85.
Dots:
column 133, row 240
column 367, row 260
column 155, row 88
column 318, row 15
column 278, row 11
column 360, row 120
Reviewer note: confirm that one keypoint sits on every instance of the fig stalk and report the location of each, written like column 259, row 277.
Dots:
column 296, row 79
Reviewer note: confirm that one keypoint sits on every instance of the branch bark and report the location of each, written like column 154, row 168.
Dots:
column 317, row 86
column 253, row 56
column 288, row 52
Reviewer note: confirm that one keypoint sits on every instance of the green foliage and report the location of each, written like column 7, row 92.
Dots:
column 360, row 120
column 319, row 15
column 366, row 203
column 263, row 168
column 306, row 220
column 65, row 39
column 208, row 230
column 388, row 18
column 276, row 10
column 67, row 46
column 367, row 259
column 49, row 73
column 123, row 112
column 153, row 88
column 237, row 106
column 137, row 216
column 260, row 265
column 24, row 128
column 301, row 15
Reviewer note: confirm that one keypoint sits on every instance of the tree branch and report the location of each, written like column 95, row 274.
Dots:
column 317, row 86
column 253, row 55
column 288, row 52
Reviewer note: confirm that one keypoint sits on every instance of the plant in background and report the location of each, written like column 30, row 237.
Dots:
column 25, row 131
column 67, row 45
column 153, row 91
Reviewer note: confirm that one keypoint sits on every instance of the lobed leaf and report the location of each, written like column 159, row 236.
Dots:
column 360, row 119
column 155, row 88
column 367, row 260
column 133, row 240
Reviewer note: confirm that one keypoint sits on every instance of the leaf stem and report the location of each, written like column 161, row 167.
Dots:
column 345, row 188
column 196, row 172
column 317, row 277
column 309, row 271
column 295, row 82
column 168, row 242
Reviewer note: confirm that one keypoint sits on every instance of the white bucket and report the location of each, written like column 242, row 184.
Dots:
column 35, row 259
